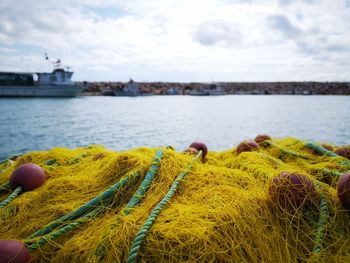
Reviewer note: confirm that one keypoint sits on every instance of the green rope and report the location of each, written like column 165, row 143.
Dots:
column 12, row 196
column 136, row 244
column 84, row 214
column 102, row 199
column 284, row 152
column 136, row 198
column 146, row 183
column 319, row 149
column 60, row 232
column 321, row 226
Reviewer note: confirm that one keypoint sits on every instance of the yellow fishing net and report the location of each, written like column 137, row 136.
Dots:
column 221, row 212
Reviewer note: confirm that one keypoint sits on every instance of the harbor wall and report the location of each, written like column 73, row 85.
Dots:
column 258, row 88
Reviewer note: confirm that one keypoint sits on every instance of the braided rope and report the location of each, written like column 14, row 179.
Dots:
column 319, row 149
column 140, row 236
column 101, row 199
column 321, row 226
column 284, row 152
column 146, row 183
column 60, row 232
column 136, row 198
column 12, row 196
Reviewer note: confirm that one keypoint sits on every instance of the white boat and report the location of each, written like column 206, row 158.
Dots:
column 35, row 84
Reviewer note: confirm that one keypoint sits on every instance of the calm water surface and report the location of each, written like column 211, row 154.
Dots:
column 121, row 123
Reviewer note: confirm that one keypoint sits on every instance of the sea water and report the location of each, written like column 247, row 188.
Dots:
column 122, row 123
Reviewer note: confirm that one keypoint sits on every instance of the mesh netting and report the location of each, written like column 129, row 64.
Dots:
column 223, row 211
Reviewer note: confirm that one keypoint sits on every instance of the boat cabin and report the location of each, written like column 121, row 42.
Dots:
column 58, row 76
column 16, row 79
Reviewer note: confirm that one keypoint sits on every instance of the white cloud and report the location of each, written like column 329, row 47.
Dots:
column 174, row 40
column 216, row 32
column 282, row 24
column 100, row 68
column 7, row 50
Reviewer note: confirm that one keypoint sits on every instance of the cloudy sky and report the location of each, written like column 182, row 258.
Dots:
column 180, row 40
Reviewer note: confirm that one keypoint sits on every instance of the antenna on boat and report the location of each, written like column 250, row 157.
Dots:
column 57, row 64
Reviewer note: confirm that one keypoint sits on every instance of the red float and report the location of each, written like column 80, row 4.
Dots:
column 200, row 147
column 191, row 150
column 13, row 251
column 344, row 190
column 29, row 176
column 261, row 138
column 292, row 190
column 247, row 146
column 344, row 152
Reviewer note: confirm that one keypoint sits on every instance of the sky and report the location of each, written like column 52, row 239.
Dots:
column 179, row 40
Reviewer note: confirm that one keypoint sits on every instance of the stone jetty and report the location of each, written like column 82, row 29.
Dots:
column 237, row 88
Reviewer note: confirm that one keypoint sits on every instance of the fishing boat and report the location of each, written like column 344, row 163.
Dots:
column 212, row 90
column 199, row 92
column 131, row 90
column 39, row 84
column 215, row 90
column 173, row 91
